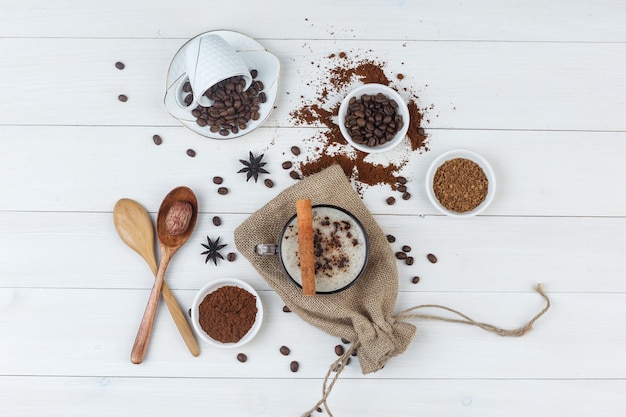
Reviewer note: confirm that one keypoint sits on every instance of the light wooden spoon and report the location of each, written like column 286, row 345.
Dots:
column 169, row 245
column 134, row 225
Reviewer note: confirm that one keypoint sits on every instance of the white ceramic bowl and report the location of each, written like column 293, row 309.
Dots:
column 465, row 154
column 374, row 89
column 212, row 286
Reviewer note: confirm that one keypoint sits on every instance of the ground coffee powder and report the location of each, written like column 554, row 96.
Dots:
column 227, row 313
column 460, row 185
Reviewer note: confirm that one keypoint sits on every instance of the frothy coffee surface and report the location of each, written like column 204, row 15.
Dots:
column 340, row 249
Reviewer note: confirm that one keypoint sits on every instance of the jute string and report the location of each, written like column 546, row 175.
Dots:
column 338, row 365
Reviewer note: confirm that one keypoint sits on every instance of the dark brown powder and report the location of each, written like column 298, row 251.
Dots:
column 227, row 313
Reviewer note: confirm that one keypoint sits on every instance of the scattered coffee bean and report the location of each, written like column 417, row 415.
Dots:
column 217, row 221
column 294, row 366
column 409, row 260
column 391, row 238
column 189, row 312
column 406, row 248
column 120, row 65
column 353, row 353
column 319, row 409
column 345, row 341
column 254, row 73
column 339, row 350
column 286, row 309
column 218, row 180
column 191, row 153
column 287, row 165
column 420, row 131
column 400, row 255
column 432, row 258
column 157, row 139
column 231, row 257
column 285, row 350
column 242, row 357
column 401, row 188
column 406, row 196
column 391, row 201
column 295, row 150
column 415, row 280
column 222, row 190
column 123, row 98
column 268, row 183
column 373, row 120
column 401, row 180
column 294, row 175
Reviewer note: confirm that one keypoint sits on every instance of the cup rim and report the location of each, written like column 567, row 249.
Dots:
column 367, row 249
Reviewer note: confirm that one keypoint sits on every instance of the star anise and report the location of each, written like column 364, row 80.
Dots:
column 253, row 167
column 212, row 251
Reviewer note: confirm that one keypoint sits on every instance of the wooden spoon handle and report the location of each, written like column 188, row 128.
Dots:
column 181, row 322
column 145, row 327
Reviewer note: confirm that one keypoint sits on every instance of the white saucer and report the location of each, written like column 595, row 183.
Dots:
column 255, row 56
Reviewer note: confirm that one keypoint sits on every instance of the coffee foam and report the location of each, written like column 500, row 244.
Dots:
column 340, row 249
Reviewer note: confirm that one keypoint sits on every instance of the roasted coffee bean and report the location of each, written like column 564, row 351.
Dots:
column 254, row 73
column 409, row 260
column 344, row 341
column 339, row 350
column 242, row 357
column 373, row 120
column 222, row 190
column 401, row 180
column 353, row 353
column 189, row 312
column 319, row 409
column 400, row 255
column 294, row 366
column 187, row 87
column 268, row 183
column 285, row 350
column 295, row 150
column 123, row 98
column 216, row 221
column 286, row 309
column 231, row 257
column 432, row 258
column 406, row 195
column 406, row 248
column 401, row 188
column 391, row 201
column 287, row 165
column 218, row 180
column 157, row 139
column 294, row 175
column 120, row 65
column 415, row 280
column 191, row 153
column 391, row 238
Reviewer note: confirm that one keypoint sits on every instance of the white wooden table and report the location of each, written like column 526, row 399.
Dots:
column 538, row 88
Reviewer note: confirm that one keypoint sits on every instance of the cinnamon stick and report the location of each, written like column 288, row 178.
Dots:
column 305, row 245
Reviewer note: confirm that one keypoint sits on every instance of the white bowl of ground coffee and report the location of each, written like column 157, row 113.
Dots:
column 460, row 183
column 227, row 313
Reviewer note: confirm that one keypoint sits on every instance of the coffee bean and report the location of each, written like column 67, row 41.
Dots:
column 353, row 353
column 191, row 153
column 339, row 350
column 409, row 260
column 295, row 150
column 286, row 309
column 216, row 221
column 406, row 196
column 344, row 341
column 268, row 183
column 294, row 366
column 157, row 139
column 285, row 350
column 218, row 180
column 391, row 238
column 319, row 409
column 400, row 255
column 222, row 190
column 231, row 257
column 420, row 131
column 401, row 180
column 415, row 280
column 242, row 357
column 122, row 98
column 287, row 165
column 391, row 201
column 120, row 65
column 189, row 312
column 254, row 73
column 401, row 188
column 372, row 120
column 432, row 258
column 294, row 175
column 406, row 248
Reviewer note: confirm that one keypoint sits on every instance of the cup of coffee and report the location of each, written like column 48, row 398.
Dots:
column 341, row 249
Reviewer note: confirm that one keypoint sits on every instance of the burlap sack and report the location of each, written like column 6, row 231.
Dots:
column 364, row 311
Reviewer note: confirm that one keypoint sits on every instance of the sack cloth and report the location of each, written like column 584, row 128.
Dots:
column 362, row 313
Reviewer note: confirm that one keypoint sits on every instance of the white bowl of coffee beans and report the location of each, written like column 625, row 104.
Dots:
column 373, row 118
column 460, row 183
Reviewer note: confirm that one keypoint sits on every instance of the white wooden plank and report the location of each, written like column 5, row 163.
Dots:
column 90, row 168
column 469, row 85
column 105, row 396
column 324, row 19
column 510, row 254
column 74, row 332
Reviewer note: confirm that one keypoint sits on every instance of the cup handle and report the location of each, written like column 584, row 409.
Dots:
column 266, row 249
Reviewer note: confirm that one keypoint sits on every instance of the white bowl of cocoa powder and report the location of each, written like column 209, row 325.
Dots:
column 460, row 183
